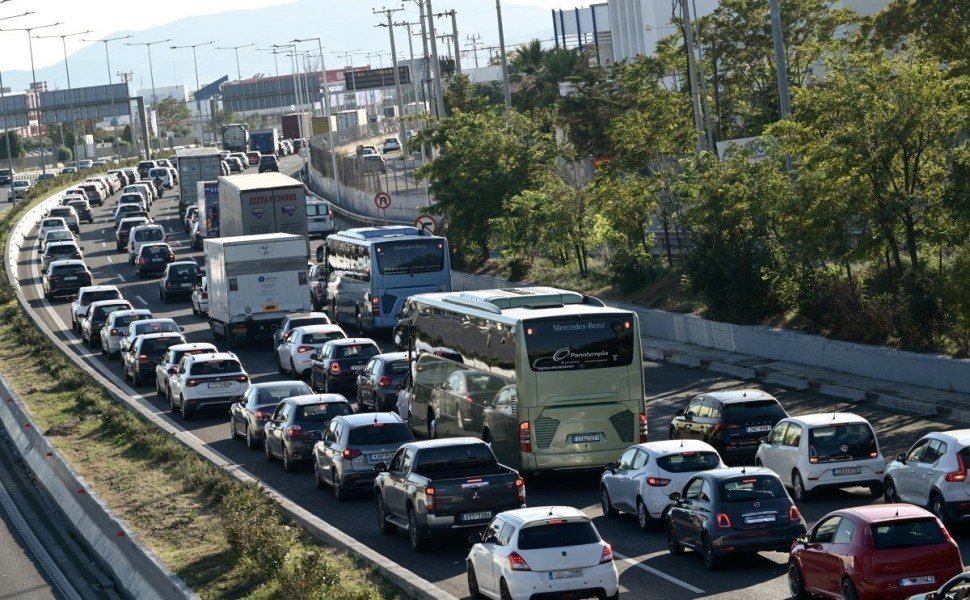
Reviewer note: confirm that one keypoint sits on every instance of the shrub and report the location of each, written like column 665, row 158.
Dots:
column 631, row 269
column 64, row 154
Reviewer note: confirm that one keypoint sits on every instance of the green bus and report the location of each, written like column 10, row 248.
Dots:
column 552, row 379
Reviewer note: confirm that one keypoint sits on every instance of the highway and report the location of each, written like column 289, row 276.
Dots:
column 646, row 569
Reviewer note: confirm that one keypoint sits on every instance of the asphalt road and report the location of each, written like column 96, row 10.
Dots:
column 647, row 570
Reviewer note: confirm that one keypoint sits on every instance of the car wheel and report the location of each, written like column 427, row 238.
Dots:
column 889, row 493
column 338, row 490
column 938, row 508
column 606, row 504
column 233, row 434
column 104, row 351
column 672, row 434
column 673, row 544
column 251, row 442
column 503, row 591
column 876, row 489
column 432, row 426
column 171, row 404
column 848, row 590
column 164, row 297
column 288, row 465
column 266, row 450
column 798, row 487
column 317, row 480
column 472, row 581
column 418, row 544
column 186, row 411
column 711, row 559
column 385, row 526
column 644, row 520
column 796, row 583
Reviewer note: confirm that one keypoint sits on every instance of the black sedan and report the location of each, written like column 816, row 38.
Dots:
column 178, row 279
column 335, row 368
column 153, row 258
column 66, row 277
column 248, row 415
column 378, row 384
column 145, row 352
column 731, row 511
column 298, row 423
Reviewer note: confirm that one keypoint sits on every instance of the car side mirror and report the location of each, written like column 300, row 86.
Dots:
column 901, row 457
column 173, row 370
column 314, row 356
column 478, row 536
column 611, row 467
column 182, row 329
column 802, row 539
column 380, row 467
column 674, row 497
column 81, row 248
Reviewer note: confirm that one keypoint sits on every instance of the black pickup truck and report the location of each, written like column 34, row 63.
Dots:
column 443, row 485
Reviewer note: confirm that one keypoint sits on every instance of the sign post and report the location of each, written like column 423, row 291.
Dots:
column 382, row 200
column 426, row 222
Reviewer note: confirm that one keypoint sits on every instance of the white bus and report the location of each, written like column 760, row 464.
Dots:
column 371, row 272
column 552, row 379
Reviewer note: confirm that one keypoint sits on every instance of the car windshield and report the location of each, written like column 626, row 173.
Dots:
column 374, row 434
column 752, row 488
column 754, row 410
column 318, row 413
column 556, row 533
column 321, row 338
column 216, row 367
column 842, row 441
column 689, row 462
column 272, row 395
column 906, row 534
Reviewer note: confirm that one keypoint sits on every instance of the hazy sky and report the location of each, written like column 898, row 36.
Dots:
column 103, row 17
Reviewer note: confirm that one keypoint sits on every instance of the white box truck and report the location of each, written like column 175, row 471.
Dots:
column 261, row 203
column 254, row 281
column 195, row 165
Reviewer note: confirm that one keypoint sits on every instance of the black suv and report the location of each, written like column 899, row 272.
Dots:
column 267, row 162
column 178, row 279
column 6, row 176
column 335, row 368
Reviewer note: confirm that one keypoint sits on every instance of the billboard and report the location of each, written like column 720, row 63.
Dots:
column 270, row 92
column 372, row 79
column 94, row 102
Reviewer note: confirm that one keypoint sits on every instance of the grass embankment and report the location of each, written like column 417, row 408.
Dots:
column 225, row 539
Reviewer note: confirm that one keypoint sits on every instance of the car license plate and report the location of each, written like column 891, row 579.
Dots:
column 477, row 516
column 759, row 518
column 356, row 368
column 583, row 438
column 911, row 581
column 567, row 574
column 70, row 279
column 379, row 456
column 185, row 285
column 758, row 428
column 220, row 384
column 847, row 471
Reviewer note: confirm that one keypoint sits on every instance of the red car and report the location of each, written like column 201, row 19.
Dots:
column 878, row 552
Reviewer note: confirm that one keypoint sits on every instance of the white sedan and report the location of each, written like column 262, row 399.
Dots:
column 296, row 346
column 541, row 550
column 200, row 298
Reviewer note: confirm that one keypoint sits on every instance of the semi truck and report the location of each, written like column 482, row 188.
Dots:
column 254, row 282
column 292, row 124
column 235, row 137
column 264, row 141
column 195, row 165
column 262, row 203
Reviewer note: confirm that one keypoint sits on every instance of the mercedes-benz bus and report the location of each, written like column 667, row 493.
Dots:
column 552, row 379
column 373, row 270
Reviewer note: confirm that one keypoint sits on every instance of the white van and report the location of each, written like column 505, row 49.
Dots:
column 319, row 216
column 141, row 235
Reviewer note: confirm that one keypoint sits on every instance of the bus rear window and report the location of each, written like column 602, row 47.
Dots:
column 412, row 256
column 569, row 344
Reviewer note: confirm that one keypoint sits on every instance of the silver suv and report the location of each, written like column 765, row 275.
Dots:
column 933, row 473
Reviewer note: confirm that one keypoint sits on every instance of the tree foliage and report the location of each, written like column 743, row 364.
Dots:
column 173, row 116
column 16, row 145
column 536, row 74
column 939, row 27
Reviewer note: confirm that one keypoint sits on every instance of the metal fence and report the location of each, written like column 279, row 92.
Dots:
column 392, row 174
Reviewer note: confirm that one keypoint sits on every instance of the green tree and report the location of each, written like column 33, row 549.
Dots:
column 16, row 145
column 940, row 27
column 126, row 134
column 537, row 74
column 461, row 95
column 64, row 154
column 173, row 116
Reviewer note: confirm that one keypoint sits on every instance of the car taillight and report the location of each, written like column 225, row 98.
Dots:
column 335, row 368
column 375, row 307
column 723, row 520
column 429, row 498
column 657, row 481
column 171, row 258
column 263, row 415
column 242, row 378
column 192, row 383
column 350, row 453
column 143, row 359
column 168, row 285
column 517, row 563
column 643, row 428
column 520, row 489
column 384, row 380
column 525, row 437
column 960, row 474
column 793, row 515
column 607, row 554
column 205, row 295
column 302, row 349
column 812, row 455
column 294, row 431
column 141, row 261
column 114, row 332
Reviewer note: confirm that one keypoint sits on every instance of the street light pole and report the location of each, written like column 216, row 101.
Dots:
column 353, row 75
column 238, row 70
column 505, row 61
column 439, row 94
column 3, row 116
column 151, row 72
column 198, row 104
column 784, row 99
column 33, row 75
column 68, row 70
column 110, row 87
column 329, row 113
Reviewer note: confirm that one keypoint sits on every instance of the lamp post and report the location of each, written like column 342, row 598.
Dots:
column 294, row 64
column 67, row 69
column 238, row 70
column 3, row 121
column 198, row 105
column 353, row 76
column 151, row 72
column 329, row 113
column 108, row 60
column 505, row 60
column 33, row 76
column 279, row 88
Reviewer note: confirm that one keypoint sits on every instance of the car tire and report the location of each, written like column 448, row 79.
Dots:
column 293, row 372
column 288, row 465
column 186, row 411
column 417, row 543
column 473, row 590
column 251, row 442
column 338, row 490
column 135, row 380
column 938, row 508
column 266, row 451
column 318, row 481
column 889, row 493
column 673, row 544
column 799, row 493
column 796, row 582
column 383, row 525
column 848, row 590
column 606, row 505
column 876, row 489
column 644, row 519
column 711, row 559
column 503, row 591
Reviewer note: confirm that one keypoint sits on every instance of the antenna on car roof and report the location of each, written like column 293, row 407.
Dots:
column 550, row 511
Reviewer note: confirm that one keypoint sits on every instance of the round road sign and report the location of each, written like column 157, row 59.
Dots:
column 426, row 222
column 382, row 200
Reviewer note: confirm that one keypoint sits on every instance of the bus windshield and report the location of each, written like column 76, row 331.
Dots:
column 579, row 342
column 412, row 256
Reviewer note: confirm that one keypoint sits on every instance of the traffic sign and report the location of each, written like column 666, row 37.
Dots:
column 382, row 200
column 426, row 222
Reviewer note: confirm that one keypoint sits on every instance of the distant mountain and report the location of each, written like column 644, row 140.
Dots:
column 342, row 25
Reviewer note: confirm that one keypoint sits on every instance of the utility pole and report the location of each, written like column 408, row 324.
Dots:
column 454, row 37
column 474, row 41
column 125, row 78
column 784, row 100
column 692, row 74
column 439, row 93
column 397, row 80
column 414, row 80
column 505, row 61
column 444, row 37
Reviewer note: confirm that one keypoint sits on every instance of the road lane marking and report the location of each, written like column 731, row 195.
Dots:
column 658, row 573
column 121, row 277
column 142, row 300
column 110, row 260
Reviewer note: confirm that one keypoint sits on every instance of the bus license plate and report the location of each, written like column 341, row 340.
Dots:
column 220, row 384
column 847, row 471
column 477, row 516
column 583, row 438
column 568, row 574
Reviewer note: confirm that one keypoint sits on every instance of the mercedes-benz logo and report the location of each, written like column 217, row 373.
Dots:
column 757, row 504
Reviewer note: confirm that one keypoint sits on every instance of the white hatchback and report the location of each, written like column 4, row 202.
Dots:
column 541, row 550
column 50, row 224
column 296, row 346
column 640, row 481
column 825, row 450
column 933, row 473
column 116, row 327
